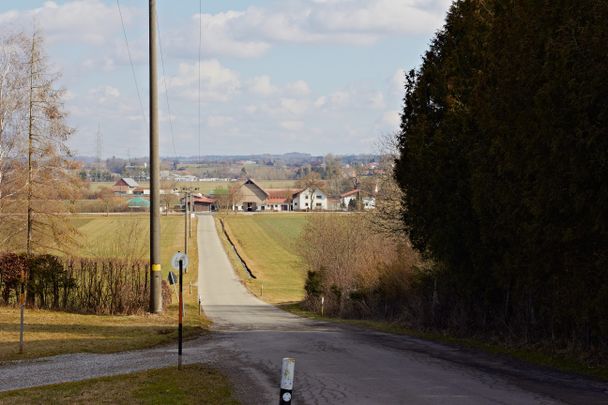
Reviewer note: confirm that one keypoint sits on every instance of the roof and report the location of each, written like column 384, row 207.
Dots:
column 279, row 195
column 138, row 202
column 128, row 181
column 349, row 193
column 203, row 200
column 251, row 181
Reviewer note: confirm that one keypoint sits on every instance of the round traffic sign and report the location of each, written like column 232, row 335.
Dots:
column 177, row 257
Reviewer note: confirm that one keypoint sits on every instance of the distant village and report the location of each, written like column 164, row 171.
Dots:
column 295, row 182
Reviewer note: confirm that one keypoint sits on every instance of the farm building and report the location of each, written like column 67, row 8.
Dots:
column 252, row 197
column 138, row 203
column 200, row 203
column 125, row 185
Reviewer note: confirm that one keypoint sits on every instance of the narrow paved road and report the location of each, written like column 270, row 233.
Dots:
column 336, row 364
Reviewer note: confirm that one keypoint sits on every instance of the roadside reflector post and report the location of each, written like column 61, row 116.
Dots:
column 200, row 304
column 180, row 262
column 287, row 372
column 322, row 304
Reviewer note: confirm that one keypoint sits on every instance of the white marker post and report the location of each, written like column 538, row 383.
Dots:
column 179, row 262
column 287, row 371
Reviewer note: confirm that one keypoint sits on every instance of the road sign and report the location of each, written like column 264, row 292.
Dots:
column 177, row 257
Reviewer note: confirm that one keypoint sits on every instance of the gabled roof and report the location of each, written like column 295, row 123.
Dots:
column 128, row 181
column 203, row 199
column 279, row 195
column 349, row 193
column 298, row 192
column 251, row 181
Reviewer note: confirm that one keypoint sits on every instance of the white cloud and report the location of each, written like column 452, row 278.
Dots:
column 80, row 21
column 252, row 32
column 320, row 101
column 298, row 88
column 104, row 93
column 262, row 85
column 398, row 81
column 293, row 106
column 392, row 119
column 218, row 83
column 376, row 101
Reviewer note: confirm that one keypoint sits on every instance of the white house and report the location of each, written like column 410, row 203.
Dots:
column 369, row 203
column 346, row 198
column 309, row 199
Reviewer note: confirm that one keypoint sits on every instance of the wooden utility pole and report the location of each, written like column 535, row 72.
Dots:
column 186, row 221
column 155, row 269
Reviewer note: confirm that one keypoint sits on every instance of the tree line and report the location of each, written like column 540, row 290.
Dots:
column 504, row 168
column 495, row 221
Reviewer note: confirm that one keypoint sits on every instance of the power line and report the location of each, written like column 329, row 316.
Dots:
column 124, row 31
column 162, row 62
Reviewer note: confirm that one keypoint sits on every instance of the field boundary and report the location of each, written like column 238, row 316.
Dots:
column 236, row 251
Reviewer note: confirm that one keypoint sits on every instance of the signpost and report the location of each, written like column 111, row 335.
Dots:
column 180, row 262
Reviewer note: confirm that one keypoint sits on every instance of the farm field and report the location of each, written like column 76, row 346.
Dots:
column 268, row 243
column 53, row 332
column 128, row 236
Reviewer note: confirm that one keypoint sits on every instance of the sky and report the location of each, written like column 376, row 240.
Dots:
column 276, row 76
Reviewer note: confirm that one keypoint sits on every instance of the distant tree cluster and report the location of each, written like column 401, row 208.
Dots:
column 504, row 167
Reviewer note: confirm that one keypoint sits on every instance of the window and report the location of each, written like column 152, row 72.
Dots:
column 306, row 205
column 306, row 196
column 319, row 205
column 319, row 197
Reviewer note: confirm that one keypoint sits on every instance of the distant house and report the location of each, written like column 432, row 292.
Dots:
column 369, row 203
column 349, row 200
column 309, row 199
column 141, row 191
column 125, row 185
column 346, row 198
column 200, row 203
column 252, row 197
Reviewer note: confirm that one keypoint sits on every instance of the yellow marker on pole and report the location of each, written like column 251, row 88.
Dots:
column 156, row 267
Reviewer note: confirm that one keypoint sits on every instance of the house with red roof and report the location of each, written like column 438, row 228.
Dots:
column 252, row 197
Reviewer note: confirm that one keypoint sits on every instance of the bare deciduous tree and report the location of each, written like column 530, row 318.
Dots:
column 34, row 125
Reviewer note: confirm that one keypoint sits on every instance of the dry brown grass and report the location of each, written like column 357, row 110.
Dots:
column 51, row 332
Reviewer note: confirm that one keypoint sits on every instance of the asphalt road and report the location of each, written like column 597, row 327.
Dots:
column 334, row 364
column 337, row 364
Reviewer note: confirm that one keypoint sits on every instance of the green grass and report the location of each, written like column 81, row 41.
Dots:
column 128, row 235
column 268, row 244
column 52, row 332
column 194, row 384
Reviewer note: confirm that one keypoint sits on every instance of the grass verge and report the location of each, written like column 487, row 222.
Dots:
column 267, row 242
column 537, row 357
column 50, row 333
column 195, row 384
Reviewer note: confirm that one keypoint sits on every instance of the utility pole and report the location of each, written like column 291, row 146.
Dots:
column 99, row 151
column 155, row 269
column 186, row 220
